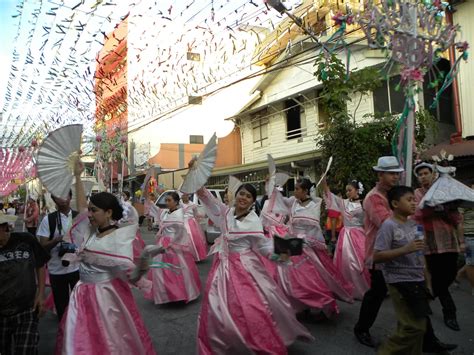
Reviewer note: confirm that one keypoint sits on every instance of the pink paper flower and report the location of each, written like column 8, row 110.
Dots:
column 34, row 143
column 339, row 18
column 411, row 74
column 98, row 138
column 123, row 139
column 21, row 149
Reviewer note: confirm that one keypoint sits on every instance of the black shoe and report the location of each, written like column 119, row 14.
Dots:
column 452, row 323
column 438, row 347
column 364, row 338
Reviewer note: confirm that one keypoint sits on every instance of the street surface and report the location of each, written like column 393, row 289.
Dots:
column 173, row 327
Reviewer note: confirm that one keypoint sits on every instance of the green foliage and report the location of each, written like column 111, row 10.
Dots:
column 355, row 146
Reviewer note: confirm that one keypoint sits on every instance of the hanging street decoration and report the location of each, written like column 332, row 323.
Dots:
column 414, row 34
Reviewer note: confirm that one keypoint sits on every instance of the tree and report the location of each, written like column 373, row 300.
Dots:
column 355, row 146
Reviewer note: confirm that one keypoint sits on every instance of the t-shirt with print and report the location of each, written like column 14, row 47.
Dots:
column 55, row 266
column 393, row 235
column 18, row 260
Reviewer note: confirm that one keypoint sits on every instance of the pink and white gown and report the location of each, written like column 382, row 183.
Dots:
column 314, row 264
column 131, row 217
column 349, row 255
column 198, row 240
column 243, row 310
column 102, row 317
column 181, row 281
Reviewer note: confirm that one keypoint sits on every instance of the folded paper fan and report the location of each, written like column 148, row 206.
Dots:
column 55, row 159
column 446, row 189
column 201, row 170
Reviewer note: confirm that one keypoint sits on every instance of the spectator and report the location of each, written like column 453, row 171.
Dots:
column 51, row 232
column 32, row 215
column 22, row 281
column 442, row 246
column 401, row 254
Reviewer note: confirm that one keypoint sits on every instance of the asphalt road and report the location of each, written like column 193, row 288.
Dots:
column 173, row 327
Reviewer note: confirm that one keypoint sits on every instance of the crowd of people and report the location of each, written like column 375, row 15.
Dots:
column 270, row 270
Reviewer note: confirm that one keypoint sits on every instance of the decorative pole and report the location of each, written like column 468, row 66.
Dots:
column 413, row 35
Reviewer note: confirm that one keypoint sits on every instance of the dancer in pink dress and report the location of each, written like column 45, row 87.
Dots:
column 130, row 216
column 198, row 240
column 243, row 310
column 350, row 248
column 181, row 281
column 102, row 317
column 304, row 212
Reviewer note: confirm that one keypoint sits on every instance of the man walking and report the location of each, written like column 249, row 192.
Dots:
column 32, row 215
column 22, row 281
column 442, row 245
column 51, row 232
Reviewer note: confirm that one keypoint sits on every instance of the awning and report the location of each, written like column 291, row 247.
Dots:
column 461, row 149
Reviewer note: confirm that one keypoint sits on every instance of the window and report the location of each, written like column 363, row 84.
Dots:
column 387, row 99
column 443, row 111
column 294, row 110
column 260, row 128
column 196, row 139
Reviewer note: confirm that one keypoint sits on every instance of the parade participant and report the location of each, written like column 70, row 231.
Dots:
column 396, row 247
column 181, row 281
column 22, row 282
column 197, row 238
column 32, row 215
column 304, row 212
column 333, row 228
column 377, row 210
column 50, row 233
column 102, row 317
column 243, row 310
column 130, row 216
column 349, row 256
column 440, row 224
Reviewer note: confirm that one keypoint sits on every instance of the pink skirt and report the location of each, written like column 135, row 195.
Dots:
column 244, row 311
column 102, row 318
column 349, row 259
column 179, row 283
column 331, row 276
column 304, row 286
column 197, row 238
column 138, row 245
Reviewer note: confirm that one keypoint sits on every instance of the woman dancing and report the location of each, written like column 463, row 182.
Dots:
column 350, row 248
column 197, row 238
column 102, row 317
column 243, row 309
column 179, row 282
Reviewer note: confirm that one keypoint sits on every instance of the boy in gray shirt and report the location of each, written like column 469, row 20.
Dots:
column 401, row 253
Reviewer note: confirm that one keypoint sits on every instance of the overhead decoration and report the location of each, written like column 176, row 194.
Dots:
column 414, row 34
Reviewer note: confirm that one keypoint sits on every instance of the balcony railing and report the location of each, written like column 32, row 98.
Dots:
column 296, row 133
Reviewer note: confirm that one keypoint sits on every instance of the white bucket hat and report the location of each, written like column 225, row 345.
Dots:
column 388, row 164
column 422, row 165
column 6, row 218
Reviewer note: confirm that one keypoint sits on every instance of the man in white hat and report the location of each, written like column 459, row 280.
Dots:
column 440, row 224
column 377, row 210
column 22, row 281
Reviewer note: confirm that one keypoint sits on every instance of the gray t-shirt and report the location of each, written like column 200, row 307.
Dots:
column 393, row 235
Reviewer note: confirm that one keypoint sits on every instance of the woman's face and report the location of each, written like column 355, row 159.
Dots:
column 185, row 198
column 170, row 202
column 300, row 193
column 351, row 192
column 244, row 199
column 99, row 217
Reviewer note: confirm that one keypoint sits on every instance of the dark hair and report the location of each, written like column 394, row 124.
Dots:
column 126, row 193
column 174, row 195
column 250, row 188
column 106, row 201
column 355, row 185
column 54, row 197
column 397, row 192
column 305, row 184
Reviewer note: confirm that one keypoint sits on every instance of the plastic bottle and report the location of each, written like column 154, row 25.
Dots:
column 419, row 235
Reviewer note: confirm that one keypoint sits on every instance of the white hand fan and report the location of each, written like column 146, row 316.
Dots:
column 272, row 178
column 201, row 170
column 325, row 172
column 55, row 159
